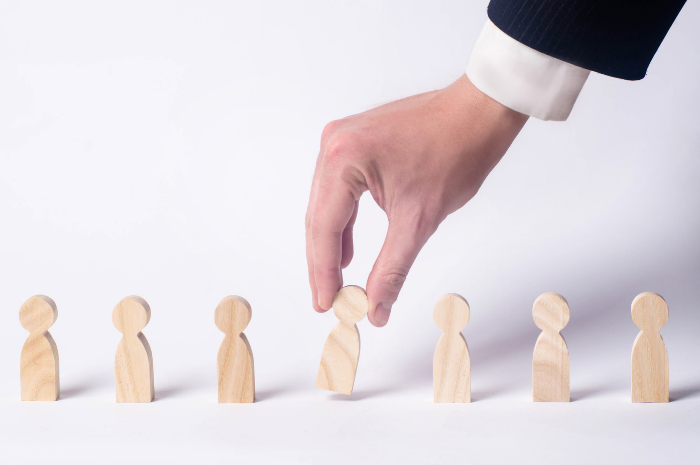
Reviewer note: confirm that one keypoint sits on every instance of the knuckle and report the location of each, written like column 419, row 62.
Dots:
column 343, row 146
column 339, row 146
column 329, row 130
column 321, row 230
column 325, row 271
column 394, row 279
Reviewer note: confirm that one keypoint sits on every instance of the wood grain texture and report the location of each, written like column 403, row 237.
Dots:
column 649, row 355
column 550, row 360
column 341, row 351
column 451, row 363
column 234, row 364
column 39, row 359
column 133, row 363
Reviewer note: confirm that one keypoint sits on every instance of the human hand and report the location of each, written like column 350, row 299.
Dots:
column 421, row 158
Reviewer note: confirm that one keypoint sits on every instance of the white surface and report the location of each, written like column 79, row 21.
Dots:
column 167, row 151
column 522, row 78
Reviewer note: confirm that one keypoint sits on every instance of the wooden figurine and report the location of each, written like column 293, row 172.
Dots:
column 234, row 364
column 342, row 349
column 39, row 360
column 649, row 355
column 133, row 364
column 550, row 361
column 451, row 364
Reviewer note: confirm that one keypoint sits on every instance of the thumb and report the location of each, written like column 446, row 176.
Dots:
column 404, row 239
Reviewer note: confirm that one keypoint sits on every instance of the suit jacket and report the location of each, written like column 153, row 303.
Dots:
column 614, row 37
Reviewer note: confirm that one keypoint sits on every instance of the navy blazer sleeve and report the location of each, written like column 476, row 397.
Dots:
column 614, row 37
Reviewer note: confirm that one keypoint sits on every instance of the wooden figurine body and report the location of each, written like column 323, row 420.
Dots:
column 234, row 364
column 550, row 360
column 451, row 364
column 133, row 363
column 39, row 359
column 341, row 351
column 649, row 355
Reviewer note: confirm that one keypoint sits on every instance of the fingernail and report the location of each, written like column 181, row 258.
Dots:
column 382, row 312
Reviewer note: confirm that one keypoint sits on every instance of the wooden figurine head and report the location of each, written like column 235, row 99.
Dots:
column 350, row 305
column 550, row 312
column 649, row 311
column 38, row 314
column 451, row 313
column 131, row 315
column 232, row 315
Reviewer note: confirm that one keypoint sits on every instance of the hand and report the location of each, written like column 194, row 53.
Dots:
column 421, row 158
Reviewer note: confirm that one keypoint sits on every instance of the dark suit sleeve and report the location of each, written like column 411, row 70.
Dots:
column 614, row 37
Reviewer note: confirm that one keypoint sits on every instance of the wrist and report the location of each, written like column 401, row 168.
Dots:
column 522, row 78
column 473, row 99
column 488, row 103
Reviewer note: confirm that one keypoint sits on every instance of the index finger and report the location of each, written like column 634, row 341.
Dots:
column 334, row 205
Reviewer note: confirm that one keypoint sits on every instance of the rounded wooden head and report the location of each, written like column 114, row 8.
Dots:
column 38, row 314
column 649, row 311
column 451, row 313
column 350, row 304
column 550, row 312
column 131, row 315
column 233, row 314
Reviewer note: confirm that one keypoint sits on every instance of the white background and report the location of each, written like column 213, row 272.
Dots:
column 166, row 150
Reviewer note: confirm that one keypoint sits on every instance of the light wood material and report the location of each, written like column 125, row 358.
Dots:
column 133, row 364
column 550, row 361
column 234, row 364
column 39, row 360
column 451, row 364
column 649, row 355
column 342, row 349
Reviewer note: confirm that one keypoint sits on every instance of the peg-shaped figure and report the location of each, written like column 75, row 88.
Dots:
column 39, row 360
column 342, row 349
column 550, row 361
column 649, row 355
column 234, row 365
column 133, row 364
column 451, row 364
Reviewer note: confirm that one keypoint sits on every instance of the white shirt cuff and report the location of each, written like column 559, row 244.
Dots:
column 522, row 78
